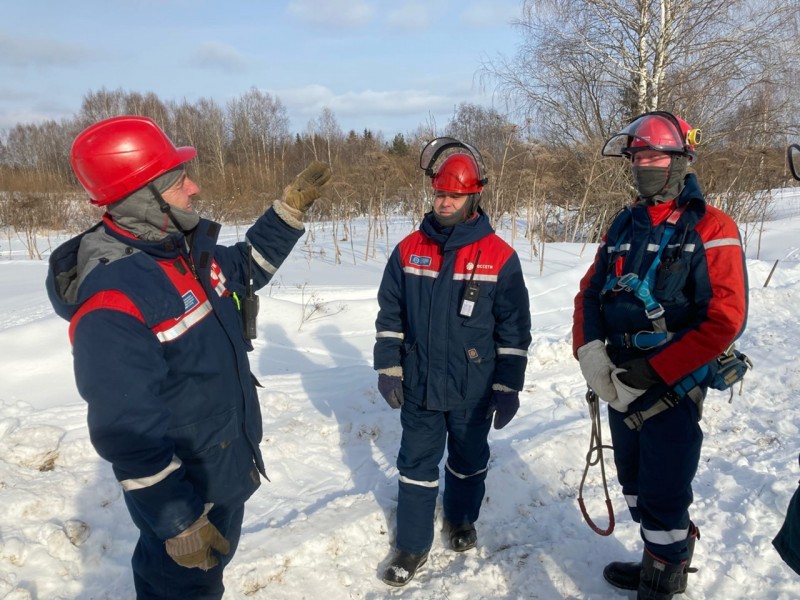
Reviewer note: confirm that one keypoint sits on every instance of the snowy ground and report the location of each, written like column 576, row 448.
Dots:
column 323, row 527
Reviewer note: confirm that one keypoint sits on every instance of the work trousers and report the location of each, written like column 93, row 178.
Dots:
column 655, row 467
column 426, row 433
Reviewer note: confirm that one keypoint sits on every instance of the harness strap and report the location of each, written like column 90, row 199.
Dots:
column 643, row 340
column 669, row 400
column 642, row 288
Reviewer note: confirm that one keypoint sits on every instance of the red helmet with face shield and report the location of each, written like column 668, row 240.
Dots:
column 459, row 174
column 660, row 131
column 117, row 156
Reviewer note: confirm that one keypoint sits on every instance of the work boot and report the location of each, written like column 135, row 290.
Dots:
column 626, row 575
column 462, row 537
column 660, row 580
column 623, row 575
column 403, row 567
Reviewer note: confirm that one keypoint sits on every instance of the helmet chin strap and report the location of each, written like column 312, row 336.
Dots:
column 166, row 208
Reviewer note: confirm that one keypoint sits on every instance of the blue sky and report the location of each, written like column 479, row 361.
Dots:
column 384, row 65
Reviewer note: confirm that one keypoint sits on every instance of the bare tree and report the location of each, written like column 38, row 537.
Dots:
column 586, row 66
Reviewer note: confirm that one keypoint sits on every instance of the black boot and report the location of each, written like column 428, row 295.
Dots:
column 660, row 580
column 623, row 575
column 403, row 567
column 462, row 537
column 626, row 575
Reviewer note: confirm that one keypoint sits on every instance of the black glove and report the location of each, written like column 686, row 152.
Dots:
column 639, row 374
column 391, row 388
column 504, row 405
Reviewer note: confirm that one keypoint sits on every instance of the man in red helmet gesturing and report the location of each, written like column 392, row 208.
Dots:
column 453, row 331
column 160, row 320
column 666, row 294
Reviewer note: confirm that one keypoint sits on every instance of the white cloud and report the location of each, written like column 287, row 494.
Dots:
column 341, row 13
column 32, row 52
column 309, row 100
column 213, row 55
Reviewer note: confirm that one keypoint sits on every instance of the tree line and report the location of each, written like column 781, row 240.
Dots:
column 584, row 69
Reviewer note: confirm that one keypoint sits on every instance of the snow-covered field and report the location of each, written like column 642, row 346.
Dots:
column 323, row 527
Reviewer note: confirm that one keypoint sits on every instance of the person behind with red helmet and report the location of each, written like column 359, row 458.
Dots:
column 160, row 321
column 453, row 330
column 665, row 295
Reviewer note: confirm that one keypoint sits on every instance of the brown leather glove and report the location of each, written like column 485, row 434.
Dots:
column 192, row 547
column 301, row 193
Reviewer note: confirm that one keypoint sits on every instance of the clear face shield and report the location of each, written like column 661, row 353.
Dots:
column 793, row 158
column 651, row 132
column 434, row 149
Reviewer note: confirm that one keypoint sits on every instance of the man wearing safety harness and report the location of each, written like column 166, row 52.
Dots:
column 161, row 317
column 666, row 294
column 451, row 349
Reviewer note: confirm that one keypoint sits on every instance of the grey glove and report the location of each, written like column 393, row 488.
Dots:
column 192, row 548
column 596, row 368
column 305, row 189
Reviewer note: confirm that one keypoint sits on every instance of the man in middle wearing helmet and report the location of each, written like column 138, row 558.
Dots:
column 453, row 331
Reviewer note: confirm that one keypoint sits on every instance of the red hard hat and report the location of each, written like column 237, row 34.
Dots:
column 117, row 156
column 661, row 131
column 458, row 174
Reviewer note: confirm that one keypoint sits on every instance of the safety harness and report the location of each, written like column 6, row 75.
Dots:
column 726, row 370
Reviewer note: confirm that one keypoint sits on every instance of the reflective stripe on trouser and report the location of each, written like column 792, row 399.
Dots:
column 656, row 467
column 157, row 577
column 425, row 434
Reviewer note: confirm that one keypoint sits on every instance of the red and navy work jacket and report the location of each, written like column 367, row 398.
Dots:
column 701, row 283
column 161, row 360
column 450, row 360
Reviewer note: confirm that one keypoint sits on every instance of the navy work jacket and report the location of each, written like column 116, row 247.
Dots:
column 160, row 358
column 451, row 361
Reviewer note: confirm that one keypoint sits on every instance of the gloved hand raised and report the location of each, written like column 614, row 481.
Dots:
column 631, row 380
column 504, row 405
column 391, row 388
column 596, row 368
column 192, row 547
column 305, row 189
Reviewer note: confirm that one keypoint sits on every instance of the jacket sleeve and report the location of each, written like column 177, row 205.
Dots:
column 128, row 421
column 390, row 324
column 272, row 240
column 719, row 280
column 512, row 330
column 587, row 320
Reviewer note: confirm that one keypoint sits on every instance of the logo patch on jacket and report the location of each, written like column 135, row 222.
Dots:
column 189, row 301
column 422, row 261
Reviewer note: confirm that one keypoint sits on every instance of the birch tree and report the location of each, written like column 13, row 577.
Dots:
column 586, row 66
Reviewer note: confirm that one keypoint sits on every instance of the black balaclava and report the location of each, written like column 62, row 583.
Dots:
column 660, row 184
column 465, row 214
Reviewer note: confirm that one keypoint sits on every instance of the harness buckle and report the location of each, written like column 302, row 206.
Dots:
column 627, row 283
column 655, row 313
